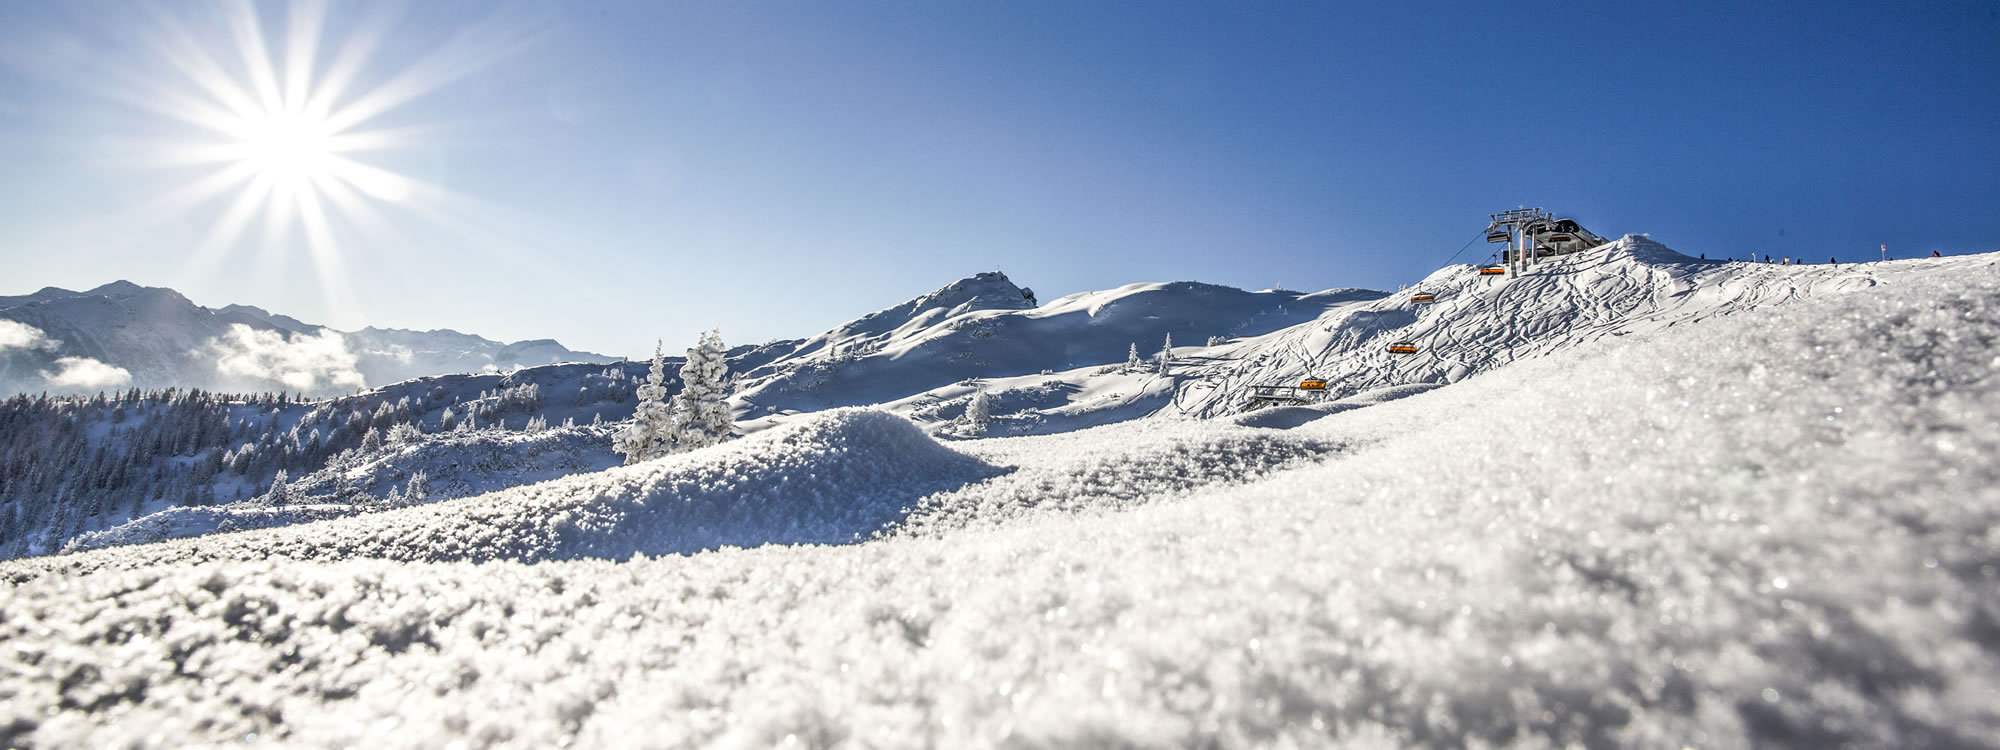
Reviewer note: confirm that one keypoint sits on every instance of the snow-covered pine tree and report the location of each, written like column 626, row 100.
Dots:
column 404, row 433
column 418, row 489
column 1167, row 354
column 978, row 413
column 280, row 493
column 647, row 436
column 1132, row 358
column 703, row 403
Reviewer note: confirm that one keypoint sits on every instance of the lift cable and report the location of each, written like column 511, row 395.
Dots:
column 1454, row 256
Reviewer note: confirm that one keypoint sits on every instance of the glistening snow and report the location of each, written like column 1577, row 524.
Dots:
column 1771, row 529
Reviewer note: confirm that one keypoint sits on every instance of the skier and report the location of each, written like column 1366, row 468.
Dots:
column 1935, row 254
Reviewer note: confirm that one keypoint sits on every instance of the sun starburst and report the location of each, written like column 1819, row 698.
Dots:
column 285, row 137
column 287, row 146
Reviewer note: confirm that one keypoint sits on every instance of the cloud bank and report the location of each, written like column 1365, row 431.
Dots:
column 85, row 373
column 319, row 364
column 18, row 335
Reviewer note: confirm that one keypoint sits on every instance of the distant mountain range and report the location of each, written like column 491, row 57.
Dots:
column 123, row 335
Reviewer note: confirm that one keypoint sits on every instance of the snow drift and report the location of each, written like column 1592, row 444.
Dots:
column 837, row 477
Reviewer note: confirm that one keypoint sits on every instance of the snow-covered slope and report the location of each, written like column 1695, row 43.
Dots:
column 1773, row 528
column 1059, row 367
column 838, row 477
column 937, row 347
column 1478, row 323
column 160, row 339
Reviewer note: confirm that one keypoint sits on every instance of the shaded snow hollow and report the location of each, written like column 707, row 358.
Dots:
column 1775, row 528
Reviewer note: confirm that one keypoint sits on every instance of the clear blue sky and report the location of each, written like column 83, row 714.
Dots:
column 605, row 173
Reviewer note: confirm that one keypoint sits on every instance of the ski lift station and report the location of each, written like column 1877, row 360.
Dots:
column 1530, row 234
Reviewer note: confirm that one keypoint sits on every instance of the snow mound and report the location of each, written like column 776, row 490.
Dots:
column 832, row 478
column 360, row 482
column 1114, row 467
column 186, row 521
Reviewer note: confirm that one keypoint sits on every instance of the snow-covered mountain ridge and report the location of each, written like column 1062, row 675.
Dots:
column 123, row 335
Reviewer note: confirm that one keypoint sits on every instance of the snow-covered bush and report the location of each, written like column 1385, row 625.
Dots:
column 978, row 414
column 526, row 397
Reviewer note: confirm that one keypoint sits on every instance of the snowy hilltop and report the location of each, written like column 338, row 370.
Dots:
column 123, row 335
column 1624, row 498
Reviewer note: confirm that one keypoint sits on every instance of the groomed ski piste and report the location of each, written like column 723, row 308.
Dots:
column 1626, row 499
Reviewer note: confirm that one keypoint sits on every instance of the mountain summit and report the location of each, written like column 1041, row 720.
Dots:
column 991, row 290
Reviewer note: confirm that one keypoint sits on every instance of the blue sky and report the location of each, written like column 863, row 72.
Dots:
column 608, row 173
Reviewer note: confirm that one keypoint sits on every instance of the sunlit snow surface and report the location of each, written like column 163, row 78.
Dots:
column 1775, row 528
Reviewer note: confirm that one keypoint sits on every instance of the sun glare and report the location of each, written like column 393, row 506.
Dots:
column 288, row 146
column 287, row 127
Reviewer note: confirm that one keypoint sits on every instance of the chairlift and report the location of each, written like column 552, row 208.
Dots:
column 1557, row 238
column 1423, row 299
column 1497, row 235
column 1403, row 347
column 1493, row 271
column 1313, row 384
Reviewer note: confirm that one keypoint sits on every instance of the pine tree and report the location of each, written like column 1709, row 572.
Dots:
column 1132, row 358
column 419, row 487
column 703, row 403
column 279, row 493
column 1166, row 358
column 646, row 436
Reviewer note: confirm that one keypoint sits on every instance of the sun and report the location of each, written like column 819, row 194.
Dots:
column 288, row 147
column 276, row 123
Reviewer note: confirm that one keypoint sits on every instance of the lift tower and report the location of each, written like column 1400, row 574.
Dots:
column 1515, row 228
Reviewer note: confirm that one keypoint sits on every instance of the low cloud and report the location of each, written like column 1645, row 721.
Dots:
column 319, row 364
column 84, row 372
column 18, row 335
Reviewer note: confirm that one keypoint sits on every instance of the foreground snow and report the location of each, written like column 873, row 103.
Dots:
column 1775, row 528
